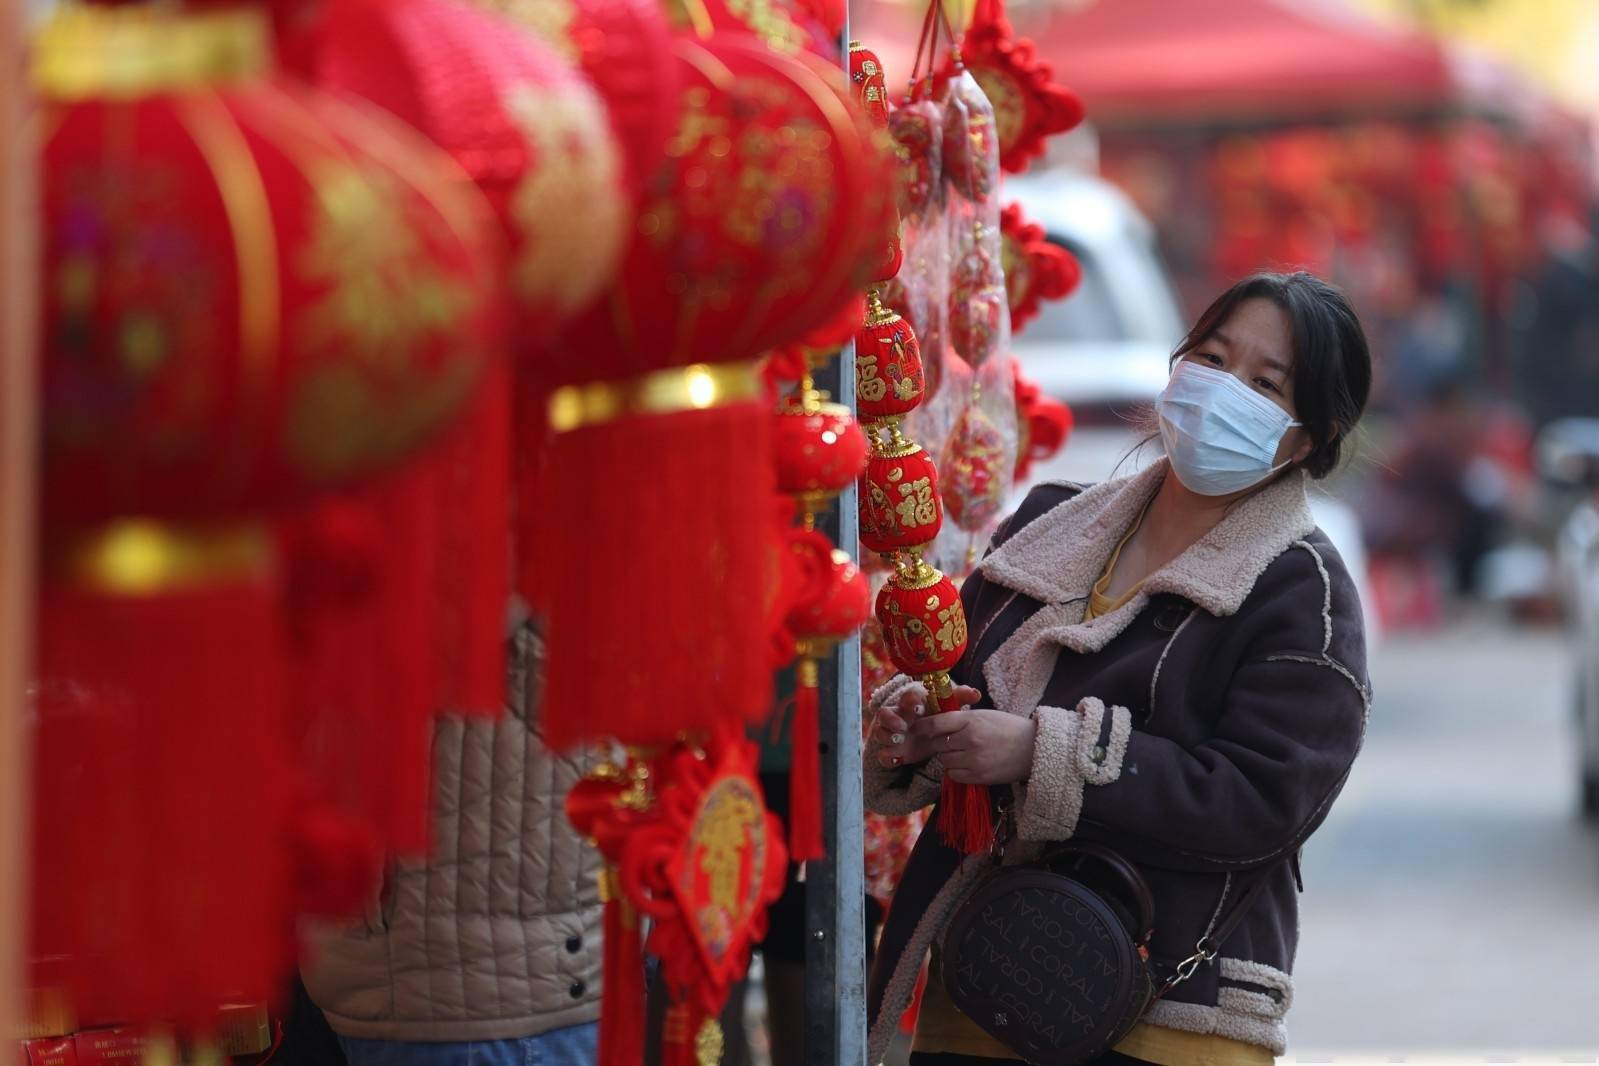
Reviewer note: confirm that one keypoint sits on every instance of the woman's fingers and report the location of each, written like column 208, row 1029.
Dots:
column 912, row 702
column 966, row 695
column 889, row 723
column 941, row 724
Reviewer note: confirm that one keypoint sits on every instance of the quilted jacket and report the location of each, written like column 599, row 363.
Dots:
column 498, row 936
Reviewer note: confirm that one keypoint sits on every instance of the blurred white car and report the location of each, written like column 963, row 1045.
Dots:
column 1106, row 350
column 1568, row 463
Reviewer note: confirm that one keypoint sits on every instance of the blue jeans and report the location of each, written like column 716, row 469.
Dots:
column 573, row 1046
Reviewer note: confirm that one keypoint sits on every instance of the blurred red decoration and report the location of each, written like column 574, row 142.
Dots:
column 660, row 444
column 924, row 629
column 978, row 303
column 624, row 47
column 704, row 871
column 972, row 469
column 916, row 128
column 1036, row 268
column 870, row 83
column 819, row 448
column 971, row 142
column 899, row 502
column 888, row 364
column 1043, row 423
column 1028, row 105
column 820, row 621
column 255, row 293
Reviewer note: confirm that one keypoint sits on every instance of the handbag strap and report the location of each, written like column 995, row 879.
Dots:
column 1209, row 945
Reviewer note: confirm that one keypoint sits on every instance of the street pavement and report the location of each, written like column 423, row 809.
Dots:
column 1451, row 905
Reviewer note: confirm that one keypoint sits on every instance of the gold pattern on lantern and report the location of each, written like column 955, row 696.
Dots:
column 951, row 632
column 916, row 506
column 573, row 233
column 868, row 385
column 770, row 22
column 550, row 19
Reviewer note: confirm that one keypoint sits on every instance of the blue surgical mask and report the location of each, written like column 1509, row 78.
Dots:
column 1220, row 435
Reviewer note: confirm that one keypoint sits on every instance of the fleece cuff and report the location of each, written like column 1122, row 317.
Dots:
column 1072, row 749
column 895, row 790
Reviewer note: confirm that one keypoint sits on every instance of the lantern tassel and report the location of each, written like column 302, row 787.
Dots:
column 805, row 840
column 159, row 710
column 691, row 1037
column 622, row 1012
column 965, row 817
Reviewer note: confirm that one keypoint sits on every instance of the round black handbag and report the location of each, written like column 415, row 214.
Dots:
column 1052, row 959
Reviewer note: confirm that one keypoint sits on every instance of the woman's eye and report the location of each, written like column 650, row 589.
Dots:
column 1211, row 357
column 1267, row 384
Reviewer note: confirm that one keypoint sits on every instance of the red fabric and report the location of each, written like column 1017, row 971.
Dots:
column 305, row 340
column 888, row 368
column 899, row 502
column 820, row 453
column 657, row 551
column 1036, row 268
column 805, row 841
column 163, row 801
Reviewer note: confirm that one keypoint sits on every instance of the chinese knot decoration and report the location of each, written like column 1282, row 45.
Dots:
column 1036, row 268
column 1028, row 105
column 689, row 844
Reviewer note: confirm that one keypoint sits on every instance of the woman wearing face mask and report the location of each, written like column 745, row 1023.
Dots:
column 1172, row 665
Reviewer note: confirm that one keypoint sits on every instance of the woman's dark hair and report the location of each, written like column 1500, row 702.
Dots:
column 1332, row 363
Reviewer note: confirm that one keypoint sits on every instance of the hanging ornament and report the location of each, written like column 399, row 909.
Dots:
column 624, row 47
column 1036, row 268
column 705, row 872
column 660, row 442
column 871, row 95
column 979, row 310
column 256, row 293
column 820, row 622
column 1043, row 422
column 608, row 807
column 819, row 448
column 975, row 466
column 888, row 364
column 971, row 146
column 1028, row 105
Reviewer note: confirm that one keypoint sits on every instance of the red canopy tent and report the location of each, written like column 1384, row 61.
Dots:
column 1201, row 62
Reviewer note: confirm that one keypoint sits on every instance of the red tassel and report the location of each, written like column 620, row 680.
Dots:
column 805, row 840
column 646, row 535
column 622, row 1012
column 686, row 1028
column 965, row 819
column 164, row 810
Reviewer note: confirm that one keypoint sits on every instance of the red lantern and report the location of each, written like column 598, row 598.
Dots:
column 1028, row 106
column 978, row 307
column 924, row 629
column 900, row 508
column 971, row 145
column 625, row 48
column 255, row 292
column 888, row 365
column 820, row 622
column 973, row 470
column 916, row 128
column 871, row 84
column 527, row 129
column 732, row 255
column 819, row 447
column 1036, row 268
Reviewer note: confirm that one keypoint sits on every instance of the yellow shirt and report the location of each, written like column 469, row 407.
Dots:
column 941, row 1027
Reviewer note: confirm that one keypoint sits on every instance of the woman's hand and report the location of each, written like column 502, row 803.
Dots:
column 900, row 747
column 978, row 745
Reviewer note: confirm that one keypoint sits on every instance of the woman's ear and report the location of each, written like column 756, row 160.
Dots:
column 1306, row 446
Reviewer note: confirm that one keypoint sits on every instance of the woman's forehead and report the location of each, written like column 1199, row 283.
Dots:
column 1258, row 329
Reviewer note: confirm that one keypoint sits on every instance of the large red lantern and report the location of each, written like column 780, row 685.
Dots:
column 660, row 445
column 254, row 293
column 625, row 48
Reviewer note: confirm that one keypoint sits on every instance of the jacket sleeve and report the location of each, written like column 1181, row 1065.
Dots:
column 1291, row 723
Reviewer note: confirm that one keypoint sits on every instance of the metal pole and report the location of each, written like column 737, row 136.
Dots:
column 18, row 217
column 835, row 887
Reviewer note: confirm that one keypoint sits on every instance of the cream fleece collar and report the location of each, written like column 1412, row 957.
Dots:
column 1057, row 557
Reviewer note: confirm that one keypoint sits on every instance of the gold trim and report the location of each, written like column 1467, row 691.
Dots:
column 221, row 142
column 139, row 557
column 878, row 314
column 686, row 388
column 86, row 52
